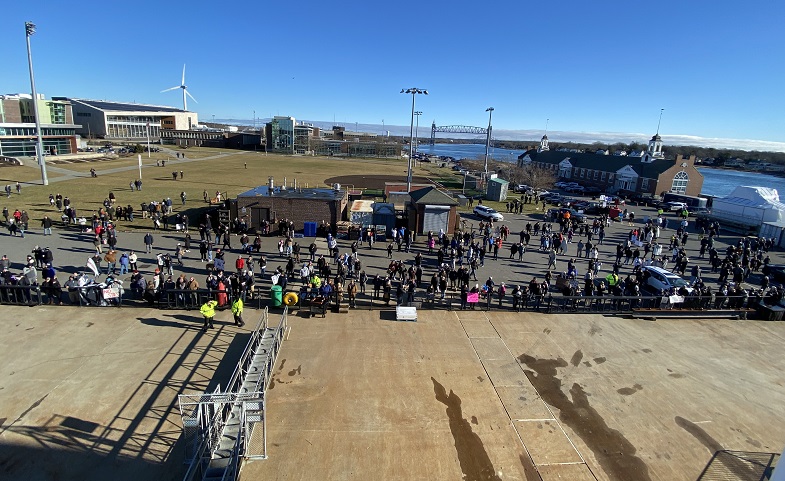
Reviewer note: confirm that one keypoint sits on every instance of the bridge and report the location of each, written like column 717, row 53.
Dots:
column 457, row 129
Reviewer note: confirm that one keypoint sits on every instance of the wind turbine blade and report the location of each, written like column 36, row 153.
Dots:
column 192, row 97
column 173, row 88
column 183, row 82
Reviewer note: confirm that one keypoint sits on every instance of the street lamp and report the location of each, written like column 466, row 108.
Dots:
column 414, row 91
column 417, row 131
column 488, row 140
column 29, row 31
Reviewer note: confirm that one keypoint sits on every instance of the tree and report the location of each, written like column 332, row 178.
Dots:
column 535, row 177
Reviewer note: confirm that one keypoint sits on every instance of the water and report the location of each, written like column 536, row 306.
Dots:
column 469, row 151
column 721, row 182
column 716, row 182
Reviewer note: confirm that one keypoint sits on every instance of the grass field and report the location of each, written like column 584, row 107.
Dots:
column 228, row 171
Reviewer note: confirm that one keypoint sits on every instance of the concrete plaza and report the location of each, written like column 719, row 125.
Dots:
column 91, row 394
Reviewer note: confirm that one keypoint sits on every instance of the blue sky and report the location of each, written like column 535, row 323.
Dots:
column 590, row 67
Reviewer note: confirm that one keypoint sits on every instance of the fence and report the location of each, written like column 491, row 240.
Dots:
column 553, row 304
column 186, row 299
column 21, row 295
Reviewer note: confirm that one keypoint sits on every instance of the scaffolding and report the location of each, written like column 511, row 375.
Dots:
column 222, row 428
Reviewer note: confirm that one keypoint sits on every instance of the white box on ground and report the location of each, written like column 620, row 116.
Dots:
column 404, row 313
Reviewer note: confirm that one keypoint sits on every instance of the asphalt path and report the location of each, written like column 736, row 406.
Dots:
column 72, row 248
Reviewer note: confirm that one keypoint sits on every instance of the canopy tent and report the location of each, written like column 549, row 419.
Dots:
column 749, row 205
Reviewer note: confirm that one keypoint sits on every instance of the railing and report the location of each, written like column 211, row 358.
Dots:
column 555, row 303
column 187, row 299
column 213, row 411
column 21, row 295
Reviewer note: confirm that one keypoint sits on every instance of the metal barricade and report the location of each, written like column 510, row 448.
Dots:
column 20, row 295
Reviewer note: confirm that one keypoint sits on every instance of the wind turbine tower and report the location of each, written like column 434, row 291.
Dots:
column 184, row 89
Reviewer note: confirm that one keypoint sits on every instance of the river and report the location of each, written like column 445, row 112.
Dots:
column 716, row 182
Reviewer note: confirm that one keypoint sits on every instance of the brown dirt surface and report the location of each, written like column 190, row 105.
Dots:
column 373, row 181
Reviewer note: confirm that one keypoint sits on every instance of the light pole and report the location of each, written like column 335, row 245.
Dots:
column 414, row 91
column 30, row 30
column 488, row 140
column 417, row 131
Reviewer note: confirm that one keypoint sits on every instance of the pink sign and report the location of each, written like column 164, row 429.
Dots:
column 473, row 297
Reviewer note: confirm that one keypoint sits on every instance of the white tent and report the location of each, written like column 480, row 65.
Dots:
column 750, row 205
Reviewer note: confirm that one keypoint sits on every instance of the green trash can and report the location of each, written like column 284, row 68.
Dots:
column 276, row 295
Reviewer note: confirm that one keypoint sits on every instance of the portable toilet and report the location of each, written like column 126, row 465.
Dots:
column 497, row 189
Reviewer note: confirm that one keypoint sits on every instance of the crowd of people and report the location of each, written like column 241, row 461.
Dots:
column 435, row 268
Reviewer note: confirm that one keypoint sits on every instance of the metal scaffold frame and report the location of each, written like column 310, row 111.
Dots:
column 218, row 427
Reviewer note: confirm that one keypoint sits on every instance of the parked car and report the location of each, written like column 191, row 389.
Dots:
column 696, row 211
column 673, row 206
column 659, row 279
column 644, row 199
column 574, row 214
column 488, row 213
column 593, row 191
column 575, row 189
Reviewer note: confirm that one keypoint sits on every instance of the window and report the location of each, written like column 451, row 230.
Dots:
column 583, row 172
column 596, row 173
column 610, row 178
column 645, row 184
column 680, row 181
column 602, row 178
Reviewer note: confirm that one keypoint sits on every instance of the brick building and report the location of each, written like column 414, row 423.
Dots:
column 651, row 173
column 298, row 205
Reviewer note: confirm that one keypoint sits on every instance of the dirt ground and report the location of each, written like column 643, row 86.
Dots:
column 373, row 181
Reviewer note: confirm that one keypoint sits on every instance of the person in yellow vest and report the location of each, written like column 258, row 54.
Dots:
column 208, row 311
column 612, row 279
column 237, row 311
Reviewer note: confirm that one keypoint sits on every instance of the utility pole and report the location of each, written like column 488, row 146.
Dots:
column 29, row 31
column 488, row 140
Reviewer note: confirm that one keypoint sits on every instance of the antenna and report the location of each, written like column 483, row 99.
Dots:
column 659, row 121
column 546, row 126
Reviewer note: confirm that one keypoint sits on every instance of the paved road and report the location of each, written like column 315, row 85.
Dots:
column 71, row 250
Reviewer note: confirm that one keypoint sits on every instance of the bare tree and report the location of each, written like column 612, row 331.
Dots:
column 531, row 175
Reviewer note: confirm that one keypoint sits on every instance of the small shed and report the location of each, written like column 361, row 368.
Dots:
column 383, row 215
column 497, row 189
column 432, row 210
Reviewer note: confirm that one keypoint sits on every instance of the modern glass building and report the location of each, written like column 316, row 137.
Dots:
column 128, row 121
column 17, row 126
column 280, row 135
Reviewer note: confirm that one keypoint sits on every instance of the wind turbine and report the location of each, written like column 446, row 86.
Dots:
column 185, row 91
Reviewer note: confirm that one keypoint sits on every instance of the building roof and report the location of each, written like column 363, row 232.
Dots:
column 607, row 163
column 431, row 196
column 499, row 181
column 314, row 194
column 125, row 107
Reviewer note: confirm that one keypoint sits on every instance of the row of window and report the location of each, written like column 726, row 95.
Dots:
column 30, row 131
column 131, row 131
column 26, row 147
column 679, row 185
